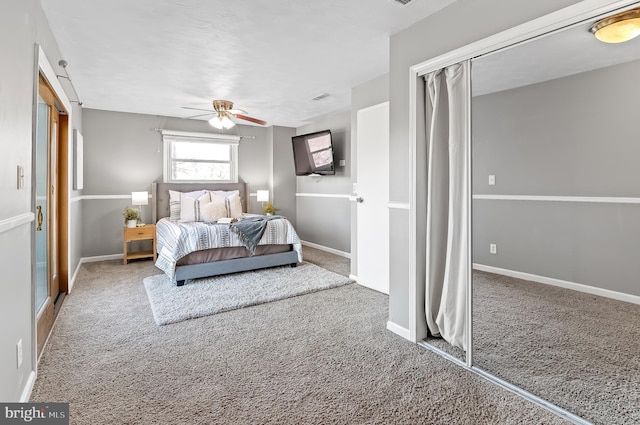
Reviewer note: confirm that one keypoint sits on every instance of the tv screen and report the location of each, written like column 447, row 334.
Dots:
column 313, row 153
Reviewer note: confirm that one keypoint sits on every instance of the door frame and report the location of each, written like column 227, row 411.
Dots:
column 42, row 67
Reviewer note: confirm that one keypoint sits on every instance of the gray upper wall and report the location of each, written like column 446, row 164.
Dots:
column 22, row 26
column 457, row 25
column 573, row 136
column 321, row 220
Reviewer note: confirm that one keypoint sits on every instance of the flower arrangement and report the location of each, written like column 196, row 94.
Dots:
column 268, row 209
column 131, row 214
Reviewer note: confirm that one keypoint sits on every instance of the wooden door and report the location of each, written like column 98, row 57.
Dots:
column 49, row 128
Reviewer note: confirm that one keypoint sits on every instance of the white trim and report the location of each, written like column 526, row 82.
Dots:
column 227, row 138
column 28, row 387
column 413, row 215
column 72, row 281
column 583, row 199
column 326, row 249
column 97, row 258
column 323, row 195
column 102, row 197
column 16, row 221
column 607, row 293
column 399, row 330
column 399, row 206
column 469, row 224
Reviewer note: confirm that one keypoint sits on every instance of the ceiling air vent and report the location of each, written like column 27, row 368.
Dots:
column 323, row 95
column 403, row 2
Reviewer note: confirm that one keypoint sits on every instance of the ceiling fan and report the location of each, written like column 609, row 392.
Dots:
column 223, row 111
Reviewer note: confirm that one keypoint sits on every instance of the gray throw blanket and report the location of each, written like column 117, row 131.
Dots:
column 251, row 229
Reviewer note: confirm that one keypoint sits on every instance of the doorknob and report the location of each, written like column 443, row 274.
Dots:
column 40, row 218
column 359, row 199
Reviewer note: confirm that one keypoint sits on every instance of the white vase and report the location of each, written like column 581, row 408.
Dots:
column 131, row 223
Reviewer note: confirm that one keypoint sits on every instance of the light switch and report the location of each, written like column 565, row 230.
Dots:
column 492, row 180
column 342, row 162
column 20, row 176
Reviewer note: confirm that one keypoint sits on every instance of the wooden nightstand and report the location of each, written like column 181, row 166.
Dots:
column 148, row 231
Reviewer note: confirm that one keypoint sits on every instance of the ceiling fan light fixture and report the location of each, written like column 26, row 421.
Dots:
column 216, row 122
column 618, row 28
column 226, row 122
column 221, row 121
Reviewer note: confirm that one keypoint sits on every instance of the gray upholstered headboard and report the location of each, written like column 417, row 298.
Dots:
column 160, row 194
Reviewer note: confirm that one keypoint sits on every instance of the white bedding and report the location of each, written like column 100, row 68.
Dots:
column 175, row 239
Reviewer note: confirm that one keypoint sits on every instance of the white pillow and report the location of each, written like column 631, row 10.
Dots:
column 234, row 205
column 214, row 210
column 233, row 201
column 174, row 202
column 190, row 209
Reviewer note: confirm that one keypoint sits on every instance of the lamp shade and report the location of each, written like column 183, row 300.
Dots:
column 262, row 195
column 221, row 121
column 139, row 198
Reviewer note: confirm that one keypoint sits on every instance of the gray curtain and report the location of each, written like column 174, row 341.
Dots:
column 447, row 215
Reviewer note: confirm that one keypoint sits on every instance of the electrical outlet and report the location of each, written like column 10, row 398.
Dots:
column 19, row 353
column 342, row 162
column 492, row 180
column 493, row 248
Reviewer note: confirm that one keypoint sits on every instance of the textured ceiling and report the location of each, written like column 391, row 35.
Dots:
column 269, row 57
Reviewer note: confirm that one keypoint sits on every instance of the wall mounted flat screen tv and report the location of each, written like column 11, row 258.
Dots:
column 313, row 153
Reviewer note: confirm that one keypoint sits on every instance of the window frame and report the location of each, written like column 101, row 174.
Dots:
column 171, row 136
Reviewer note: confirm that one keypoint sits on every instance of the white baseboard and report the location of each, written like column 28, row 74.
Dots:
column 101, row 258
column 72, row 281
column 399, row 330
column 28, row 387
column 620, row 296
column 326, row 249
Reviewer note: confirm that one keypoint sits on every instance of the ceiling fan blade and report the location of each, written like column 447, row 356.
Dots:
column 198, row 116
column 198, row 109
column 254, row 120
column 237, row 111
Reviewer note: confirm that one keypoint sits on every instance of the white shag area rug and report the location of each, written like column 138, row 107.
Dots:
column 211, row 295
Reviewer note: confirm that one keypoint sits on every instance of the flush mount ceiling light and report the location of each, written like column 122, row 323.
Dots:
column 618, row 28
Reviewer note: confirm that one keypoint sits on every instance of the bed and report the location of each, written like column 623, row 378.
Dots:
column 191, row 250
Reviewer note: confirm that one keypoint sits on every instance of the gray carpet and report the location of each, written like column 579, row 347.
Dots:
column 321, row 358
column 212, row 295
column 576, row 350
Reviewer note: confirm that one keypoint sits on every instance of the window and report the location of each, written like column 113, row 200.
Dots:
column 200, row 157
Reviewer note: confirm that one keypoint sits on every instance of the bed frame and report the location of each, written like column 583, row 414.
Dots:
column 160, row 209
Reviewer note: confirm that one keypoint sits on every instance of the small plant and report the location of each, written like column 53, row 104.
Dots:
column 268, row 209
column 130, row 214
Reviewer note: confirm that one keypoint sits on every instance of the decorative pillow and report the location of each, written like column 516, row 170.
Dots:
column 234, row 205
column 233, row 201
column 190, row 209
column 214, row 210
column 174, row 202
